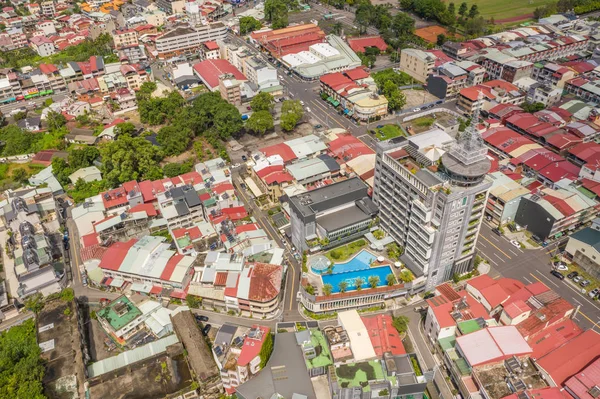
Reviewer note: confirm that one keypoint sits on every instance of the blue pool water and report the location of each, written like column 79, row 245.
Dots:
column 361, row 261
column 350, row 276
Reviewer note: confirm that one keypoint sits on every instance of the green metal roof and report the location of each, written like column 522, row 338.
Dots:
column 468, row 326
column 116, row 317
column 588, row 236
column 447, row 342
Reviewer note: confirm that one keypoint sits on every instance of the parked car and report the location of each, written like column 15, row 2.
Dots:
column 497, row 231
column 206, row 329
column 577, row 279
column 560, row 265
column 244, row 158
column 558, row 275
column 416, row 110
column 593, row 293
column 420, row 309
column 572, row 275
column 201, row 318
column 515, row 243
column 584, row 283
column 318, row 126
column 248, row 108
column 379, row 126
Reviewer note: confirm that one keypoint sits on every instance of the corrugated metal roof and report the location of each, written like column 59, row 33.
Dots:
column 133, row 356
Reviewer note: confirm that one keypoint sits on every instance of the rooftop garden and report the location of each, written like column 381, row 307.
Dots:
column 359, row 374
column 324, row 358
column 344, row 252
column 388, row 132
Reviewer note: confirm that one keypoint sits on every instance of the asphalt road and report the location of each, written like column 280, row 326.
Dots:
column 292, row 283
column 531, row 265
column 5, row 109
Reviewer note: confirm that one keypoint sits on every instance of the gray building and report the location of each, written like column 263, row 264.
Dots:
column 333, row 214
column 434, row 211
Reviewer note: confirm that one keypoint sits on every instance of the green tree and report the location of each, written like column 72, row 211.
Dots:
column 20, row 116
column 441, row 39
column 260, row 122
column 67, row 295
column 337, row 28
column 373, row 281
column 176, row 169
column 462, row 10
column 343, row 286
column 475, row 26
column 291, row 113
column 193, row 301
column 265, row 350
column 327, row 289
column 55, row 120
column 262, row 102
column 451, row 9
column 396, row 99
column 358, row 283
column 81, row 157
column 19, row 175
column 390, row 279
column 22, row 368
column 403, row 24
column 532, row 107
column 174, row 141
column 129, row 158
column 83, row 190
column 400, row 323
column 276, row 12
column 248, row 25
column 125, row 128
column 35, row 303
column 228, row 121
column 474, row 11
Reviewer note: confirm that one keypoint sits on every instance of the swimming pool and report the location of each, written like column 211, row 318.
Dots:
column 335, row 279
column 361, row 261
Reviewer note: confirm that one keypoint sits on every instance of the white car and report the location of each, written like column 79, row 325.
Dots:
column 515, row 243
column 308, row 110
column 416, row 109
column 301, row 102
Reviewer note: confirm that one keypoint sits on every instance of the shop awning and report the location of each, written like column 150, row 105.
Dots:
column 156, row 290
column 335, row 103
column 330, row 99
column 179, row 294
column 117, row 283
column 346, row 110
column 140, row 287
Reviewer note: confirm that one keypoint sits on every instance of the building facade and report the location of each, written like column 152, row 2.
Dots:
column 435, row 216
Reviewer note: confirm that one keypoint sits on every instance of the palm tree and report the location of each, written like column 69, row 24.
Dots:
column 373, row 281
column 343, row 286
column 327, row 288
column 390, row 279
column 358, row 282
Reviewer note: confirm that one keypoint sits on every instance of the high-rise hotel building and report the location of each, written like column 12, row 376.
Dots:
column 431, row 196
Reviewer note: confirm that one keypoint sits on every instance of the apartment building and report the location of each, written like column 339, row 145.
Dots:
column 124, row 38
column 263, row 75
column 171, row 6
column 186, row 40
column 552, row 74
column 210, row 51
column 586, row 88
column 180, row 206
column 434, row 212
column 48, row 8
column 12, row 39
column 502, row 66
column 231, row 88
column 493, row 92
column 42, row 45
column 449, row 78
column 417, row 63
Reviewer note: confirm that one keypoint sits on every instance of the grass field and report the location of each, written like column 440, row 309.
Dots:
column 504, row 9
column 388, row 132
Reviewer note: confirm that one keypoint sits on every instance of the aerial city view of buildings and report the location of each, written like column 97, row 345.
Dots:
column 299, row 200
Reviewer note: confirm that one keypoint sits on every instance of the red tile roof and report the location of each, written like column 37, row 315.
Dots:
column 347, row 147
column 494, row 295
column 115, row 254
column 235, row 213
column 582, row 383
column 549, row 314
column 541, row 393
column 90, row 239
column 114, row 197
column 92, row 252
column 516, row 308
column 220, row 188
column 560, row 170
column 359, row 44
column 572, row 357
column 481, row 282
column 252, row 346
column 220, row 279
column 211, row 45
column 148, row 208
column 563, row 141
column 448, row 292
column 384, row 337
column 210, row 70
column 170, row 267
column 357, row 73
column 442, row 309
column 193, row 232
column 280, row 149
column 552, row 337
column 246, row 227
column 278, row 178
column 265, row 282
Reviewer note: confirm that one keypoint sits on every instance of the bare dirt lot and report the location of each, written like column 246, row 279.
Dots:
column 154, row 378
column 414, row 98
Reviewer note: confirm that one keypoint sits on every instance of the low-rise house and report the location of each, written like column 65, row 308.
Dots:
column 89, row 174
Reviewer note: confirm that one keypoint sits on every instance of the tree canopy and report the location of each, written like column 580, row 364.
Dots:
column 262, row 102
column 173, row 140
column 260, row 122
column 291, row 113
column 276, row 12
column 249, row 24
column 21, row 369
column 130, row 158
